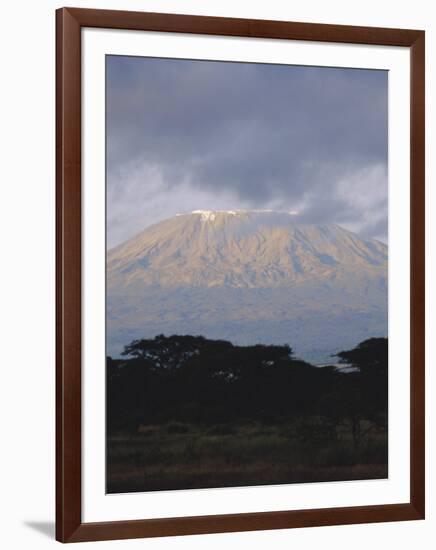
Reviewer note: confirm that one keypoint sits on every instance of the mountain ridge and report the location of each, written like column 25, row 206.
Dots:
column 248, row 276
column 242, row 249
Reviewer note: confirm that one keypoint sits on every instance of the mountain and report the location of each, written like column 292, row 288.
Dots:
column 249, row 277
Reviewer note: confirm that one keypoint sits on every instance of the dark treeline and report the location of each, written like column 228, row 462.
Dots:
column 195, row 380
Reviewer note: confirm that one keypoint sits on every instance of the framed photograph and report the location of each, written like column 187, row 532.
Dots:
column 240, row 274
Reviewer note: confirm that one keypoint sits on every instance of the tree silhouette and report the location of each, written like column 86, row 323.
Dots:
column 360, row 397
column 370, row 356
column 174, row 351
column 194, row 379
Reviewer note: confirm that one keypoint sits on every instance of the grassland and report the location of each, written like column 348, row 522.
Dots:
column 176, row 455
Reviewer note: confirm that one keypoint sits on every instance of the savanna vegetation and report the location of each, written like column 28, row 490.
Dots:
column 186, row 412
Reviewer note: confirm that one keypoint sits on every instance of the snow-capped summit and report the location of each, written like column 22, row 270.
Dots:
column 211, row 215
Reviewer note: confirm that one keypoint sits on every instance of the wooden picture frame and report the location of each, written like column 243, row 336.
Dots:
column 69, row 525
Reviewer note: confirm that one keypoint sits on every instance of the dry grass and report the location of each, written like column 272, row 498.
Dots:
column 184, row 456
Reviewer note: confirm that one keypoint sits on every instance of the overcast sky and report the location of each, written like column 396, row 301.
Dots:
column 187, row 135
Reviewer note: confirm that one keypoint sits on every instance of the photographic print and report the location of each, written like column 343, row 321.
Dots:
column 246, row 274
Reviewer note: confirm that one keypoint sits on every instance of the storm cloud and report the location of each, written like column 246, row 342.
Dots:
column 185, row 135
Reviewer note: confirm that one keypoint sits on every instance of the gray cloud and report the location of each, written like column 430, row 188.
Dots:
column 183, row 135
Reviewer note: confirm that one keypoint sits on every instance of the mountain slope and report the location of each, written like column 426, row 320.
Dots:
column 248, row 276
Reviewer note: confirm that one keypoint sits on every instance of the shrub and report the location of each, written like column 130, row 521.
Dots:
column 177, row 428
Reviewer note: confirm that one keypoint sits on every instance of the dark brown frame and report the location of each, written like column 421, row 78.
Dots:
column 69, row 526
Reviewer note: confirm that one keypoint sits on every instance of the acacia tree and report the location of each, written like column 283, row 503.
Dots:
column 171, row 352
column 196, row 379
column 360, row 398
